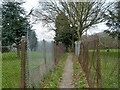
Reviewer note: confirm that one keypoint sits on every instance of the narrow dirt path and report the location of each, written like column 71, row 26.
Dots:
column 67, row 74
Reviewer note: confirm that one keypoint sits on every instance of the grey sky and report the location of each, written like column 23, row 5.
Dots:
column 44, row 33
column 41, row 31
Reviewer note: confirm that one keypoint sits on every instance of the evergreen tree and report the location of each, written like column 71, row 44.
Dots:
column 63, row 30
column 14, row 23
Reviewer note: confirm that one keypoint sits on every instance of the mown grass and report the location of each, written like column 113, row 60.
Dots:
column 79, row 80
column 10, row 70
column 52, row 79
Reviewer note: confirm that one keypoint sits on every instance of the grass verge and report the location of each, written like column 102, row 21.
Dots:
column 79, row 80
column 52, row 79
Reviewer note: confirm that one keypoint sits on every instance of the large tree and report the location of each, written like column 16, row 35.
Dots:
column 80, row 14
column 15, row 24
column 63, row 30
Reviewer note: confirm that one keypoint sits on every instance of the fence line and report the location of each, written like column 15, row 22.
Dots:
column 33, row 62
column 41, row 60
column 99, row 62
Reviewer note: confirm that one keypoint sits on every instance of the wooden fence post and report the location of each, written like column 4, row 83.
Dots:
column 119, row 58
column 98, row 63
column 23, row 58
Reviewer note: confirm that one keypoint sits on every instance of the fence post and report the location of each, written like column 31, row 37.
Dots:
column 23, row 57
column 55, row 53
column 119, row 60
column 44, row 53
column 98, row 63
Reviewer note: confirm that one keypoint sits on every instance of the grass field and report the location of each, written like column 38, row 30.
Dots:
column 37, row 58
column 10, row 70
column 109, row 69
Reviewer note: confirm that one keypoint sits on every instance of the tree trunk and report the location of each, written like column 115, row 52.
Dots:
column 78, row 33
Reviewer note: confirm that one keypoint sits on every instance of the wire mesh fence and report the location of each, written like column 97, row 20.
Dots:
column 11, row 67
column 99, row 60
column 109, row 61
column 77, row 48
column 25, row 65
column 41, row 59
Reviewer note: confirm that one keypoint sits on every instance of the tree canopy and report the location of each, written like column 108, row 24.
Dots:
column 63, row 30
column 80, row 14
column 113, row 20
column 14, row 23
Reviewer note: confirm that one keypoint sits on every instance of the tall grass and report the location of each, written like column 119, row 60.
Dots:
column 109, row 67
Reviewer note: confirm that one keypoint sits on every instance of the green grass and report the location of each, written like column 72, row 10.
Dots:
column 79, row 80
column 52, row 79
column 109, row 62
column 10, row 70
column 11, row 67
column 37, row 58
column 0, row 70
column 108, row 65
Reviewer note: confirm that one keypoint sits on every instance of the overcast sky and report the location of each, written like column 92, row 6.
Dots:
column 41, row 31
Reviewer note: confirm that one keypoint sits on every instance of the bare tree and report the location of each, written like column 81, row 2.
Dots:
column 80, row 14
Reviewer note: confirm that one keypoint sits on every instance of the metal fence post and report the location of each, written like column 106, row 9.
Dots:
column 119, row 59
column 44, row 53
column 55, row 53
column 23, row 55
column 98, row 63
